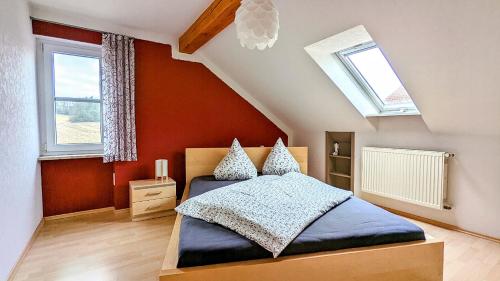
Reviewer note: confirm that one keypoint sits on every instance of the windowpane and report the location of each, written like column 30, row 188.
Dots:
column 377, row 72
column 76, row 76
column 78, row 122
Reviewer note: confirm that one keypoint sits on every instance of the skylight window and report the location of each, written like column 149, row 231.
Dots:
column 371, row 70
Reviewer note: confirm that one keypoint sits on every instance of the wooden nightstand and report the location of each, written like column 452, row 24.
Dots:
column 152, row 198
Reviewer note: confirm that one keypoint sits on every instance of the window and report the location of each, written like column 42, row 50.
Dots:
column 362, row 73
column 371, row 70
column 70, row 97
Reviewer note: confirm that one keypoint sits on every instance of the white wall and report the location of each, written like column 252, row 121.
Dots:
column 20, row 191
column 474, row 175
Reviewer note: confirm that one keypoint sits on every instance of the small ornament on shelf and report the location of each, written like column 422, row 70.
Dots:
column 335, row 149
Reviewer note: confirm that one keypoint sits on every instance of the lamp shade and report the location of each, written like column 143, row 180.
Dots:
column 257, row 24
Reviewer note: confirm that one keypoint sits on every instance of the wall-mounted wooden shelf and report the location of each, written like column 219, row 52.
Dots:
column 340, row 156
column 340, row 168
column 340, row 175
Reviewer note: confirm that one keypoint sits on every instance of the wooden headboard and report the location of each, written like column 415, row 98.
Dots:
column 202, row 161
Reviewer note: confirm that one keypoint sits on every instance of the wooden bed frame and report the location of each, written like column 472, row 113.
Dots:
column 411, row 261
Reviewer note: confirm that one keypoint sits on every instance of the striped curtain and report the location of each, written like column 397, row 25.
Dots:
column 118, row 96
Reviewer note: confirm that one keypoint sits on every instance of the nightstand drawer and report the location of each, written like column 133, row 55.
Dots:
column 139, row 195
column 151, row 206
column 151, row 198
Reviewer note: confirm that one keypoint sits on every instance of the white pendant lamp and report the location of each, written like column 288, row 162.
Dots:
column 257, row 24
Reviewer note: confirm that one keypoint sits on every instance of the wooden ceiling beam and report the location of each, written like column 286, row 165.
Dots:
column 213, row 20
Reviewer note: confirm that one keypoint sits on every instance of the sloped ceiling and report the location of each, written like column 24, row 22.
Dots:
column 446, row 53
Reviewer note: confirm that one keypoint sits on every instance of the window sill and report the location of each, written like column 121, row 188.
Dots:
column 69, row 156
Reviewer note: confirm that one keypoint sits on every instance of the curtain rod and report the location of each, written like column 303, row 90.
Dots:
column 75, row 26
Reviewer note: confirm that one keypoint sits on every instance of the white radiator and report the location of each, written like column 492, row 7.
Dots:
column 414, row 176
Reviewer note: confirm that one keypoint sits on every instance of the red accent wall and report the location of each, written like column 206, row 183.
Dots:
column 66, row 32
column 179, row 104
column 182, row 104
column 76, row 185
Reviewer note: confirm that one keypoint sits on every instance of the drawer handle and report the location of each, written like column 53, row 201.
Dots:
column 153, row 207
column 153, row 193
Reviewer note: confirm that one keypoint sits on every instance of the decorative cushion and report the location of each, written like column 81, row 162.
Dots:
column 280, row 161
column 236, row 165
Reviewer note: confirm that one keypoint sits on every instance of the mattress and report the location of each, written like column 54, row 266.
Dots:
column 354, row 223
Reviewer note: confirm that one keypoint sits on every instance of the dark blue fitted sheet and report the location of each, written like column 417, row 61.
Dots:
column 354, row 223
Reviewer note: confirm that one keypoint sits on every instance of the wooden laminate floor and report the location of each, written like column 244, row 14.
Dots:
column 110, row 247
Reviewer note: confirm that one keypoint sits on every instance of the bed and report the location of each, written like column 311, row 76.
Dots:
column 346, row 256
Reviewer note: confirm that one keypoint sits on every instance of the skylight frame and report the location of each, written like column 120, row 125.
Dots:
column 343, row 56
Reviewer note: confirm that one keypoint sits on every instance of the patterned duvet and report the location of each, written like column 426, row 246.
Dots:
column 270, row 210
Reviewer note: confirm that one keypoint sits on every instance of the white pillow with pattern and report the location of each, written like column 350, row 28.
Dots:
column 280, row 161
column 236, row 165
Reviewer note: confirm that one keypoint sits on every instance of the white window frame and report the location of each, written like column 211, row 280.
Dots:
column 45, row 72
column 365, row 86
